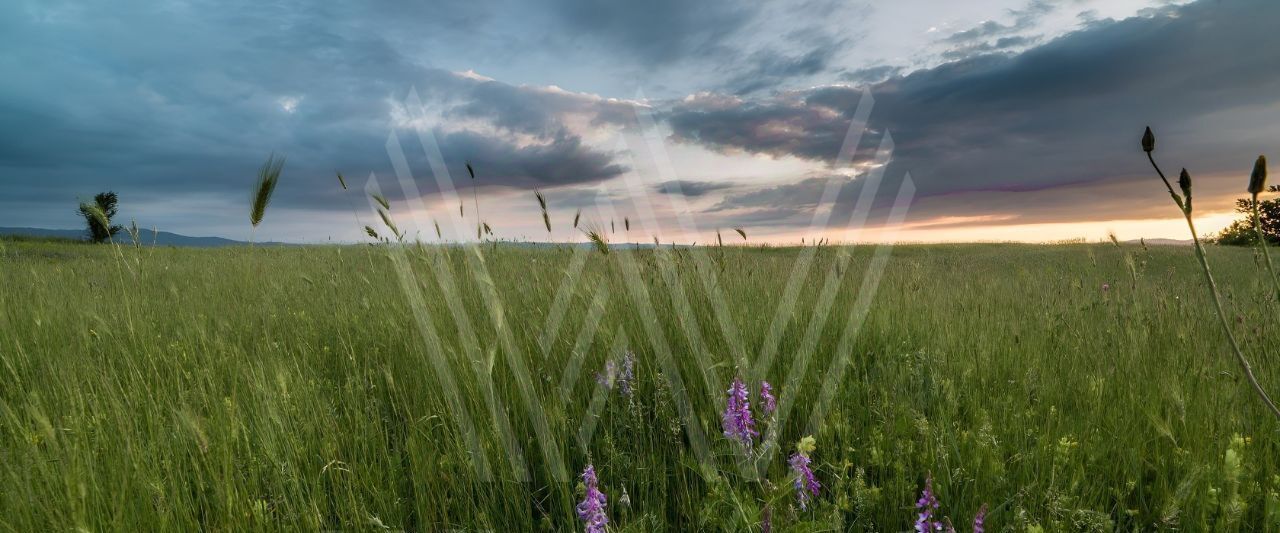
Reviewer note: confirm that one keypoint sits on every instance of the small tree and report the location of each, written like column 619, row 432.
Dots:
column 98, row 214
column 1241, row 232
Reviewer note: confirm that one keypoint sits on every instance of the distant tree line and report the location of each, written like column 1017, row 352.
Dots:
column 1241, row 232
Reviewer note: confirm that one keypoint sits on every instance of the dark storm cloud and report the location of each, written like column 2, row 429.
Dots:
column 768, row 68
column 562, row 161
column 655, row 32
column 801, row 195
column 1067, row 112
column 537, row 111
column 158, row 101
column 690, row 188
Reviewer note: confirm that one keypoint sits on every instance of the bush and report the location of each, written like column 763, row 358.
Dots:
column 1241, row 232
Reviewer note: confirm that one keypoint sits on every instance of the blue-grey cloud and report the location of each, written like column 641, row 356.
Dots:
column 1061, row 114
column 174, row 104
column 656, row 32
column 1023, row 19
column 868, row 75
column 690, row 188
column 768, row 68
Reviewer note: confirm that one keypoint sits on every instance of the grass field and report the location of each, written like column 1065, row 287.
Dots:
column 286, row 388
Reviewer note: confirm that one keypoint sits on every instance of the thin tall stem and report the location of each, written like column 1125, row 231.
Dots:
column 1262, row 243
column 1213, row 295
column 479, row 221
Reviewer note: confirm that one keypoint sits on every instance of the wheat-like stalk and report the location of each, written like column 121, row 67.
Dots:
column 597, row 238
column 475, row 198
column 268, row 177
column 546, row 219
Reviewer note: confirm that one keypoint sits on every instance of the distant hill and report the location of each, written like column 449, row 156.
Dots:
column 1163, row 242
column 146, row 236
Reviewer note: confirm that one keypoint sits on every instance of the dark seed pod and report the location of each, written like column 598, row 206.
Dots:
column 1148, row 140
column 1258, row 180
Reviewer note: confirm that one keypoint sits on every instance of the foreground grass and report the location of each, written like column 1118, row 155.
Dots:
column 290, row 388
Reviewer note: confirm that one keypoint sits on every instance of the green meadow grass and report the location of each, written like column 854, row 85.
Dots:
column 287, row 388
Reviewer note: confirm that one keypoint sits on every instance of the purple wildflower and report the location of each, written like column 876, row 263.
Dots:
column 622, row 378
column 1106, row 287
column 980, row 519
column 927, row 504
column 610, row 374
column 766, row 396
column 591, row 510
column 806, row 484
column 628, row 374
column 737, row 414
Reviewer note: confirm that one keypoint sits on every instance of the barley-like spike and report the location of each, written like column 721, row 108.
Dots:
column 342, row 181
column 386, row 219
column 741, row 232
column 626, row 223
column 268, row 176
column 96, row 212
column 576, row 216
column 439, row 235
column 372, row 233
column 382, row 201
column 542, row 203
column 598, row 239
column 470, row 170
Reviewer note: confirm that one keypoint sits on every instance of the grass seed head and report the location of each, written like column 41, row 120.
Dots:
column 1184, row 182
column 268, row 177
column 1258, row 179
column 382, row 201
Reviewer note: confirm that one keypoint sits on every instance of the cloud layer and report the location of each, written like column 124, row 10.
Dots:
column 1067, row 113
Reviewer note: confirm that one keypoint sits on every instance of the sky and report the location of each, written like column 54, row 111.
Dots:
column 915, row 120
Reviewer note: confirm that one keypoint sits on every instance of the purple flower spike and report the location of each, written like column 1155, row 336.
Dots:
column 806, row 484
column 609, row 376
column 628, row 374
column 766, row 396
column 591, row 510
column 737, row 420
column 927, row 504
column 980, row 519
